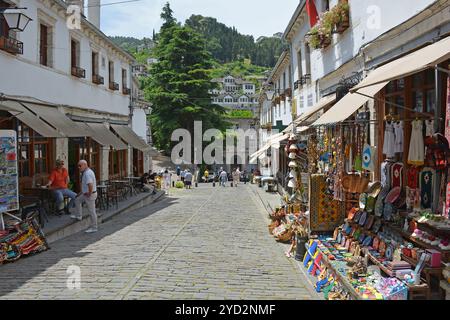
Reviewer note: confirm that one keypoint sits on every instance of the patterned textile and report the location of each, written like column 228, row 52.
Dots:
column 397, row 175
column 426, row 187
column 325, row 212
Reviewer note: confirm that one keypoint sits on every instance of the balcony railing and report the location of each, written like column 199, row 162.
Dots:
column 304, row 79
column 114, row 86
column 11, row 45
column 126, row 90
column 98, row 79
column 78, row 72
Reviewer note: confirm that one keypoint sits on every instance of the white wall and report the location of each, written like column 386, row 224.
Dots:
column 23, row 75
column 139, row 123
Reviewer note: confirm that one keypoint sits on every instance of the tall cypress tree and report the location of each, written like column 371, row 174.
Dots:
column 179, row 83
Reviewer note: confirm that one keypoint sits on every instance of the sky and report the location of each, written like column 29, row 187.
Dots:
column 252, row 17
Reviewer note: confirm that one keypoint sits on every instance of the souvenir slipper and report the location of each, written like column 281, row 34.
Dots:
column 374, row 189
column 361, row 238
column 389, row 211
column 393, row 195
column 384, row 192
column 369, row 222
column 367, row 241
column 376, row 226
column 362, row 201
column 351, row 213
column 379, row 206
column 389, row 252
column 376, row 243
column 348, row 230
column 397, row 175
column 401, row 200
column 363, row 218
column 357, row 216
column 370, row 204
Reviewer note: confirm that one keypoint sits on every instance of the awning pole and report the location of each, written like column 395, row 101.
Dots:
column 437, row 128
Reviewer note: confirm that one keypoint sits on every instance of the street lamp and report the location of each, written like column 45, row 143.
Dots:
column 16, row 20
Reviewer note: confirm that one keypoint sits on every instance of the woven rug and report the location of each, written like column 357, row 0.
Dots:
column 325, row 212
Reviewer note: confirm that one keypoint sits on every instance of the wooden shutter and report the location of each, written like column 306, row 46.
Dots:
column 73, row 53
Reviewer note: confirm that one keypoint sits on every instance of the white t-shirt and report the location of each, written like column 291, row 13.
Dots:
column 87, row 177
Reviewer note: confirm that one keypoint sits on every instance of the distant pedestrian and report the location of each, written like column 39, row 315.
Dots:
column 236, row 177
column 223, row 176
column 88, row 195
column 178, row 171
column 166, row 180
column 244, row 176
column 188, row 179
column 206, row 175
column 183, row 174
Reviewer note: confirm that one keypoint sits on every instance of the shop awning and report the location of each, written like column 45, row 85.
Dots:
column 101, row 133
column 31, row 120
column 127, row 134
column 412, row 63
column 319, row 106
column 273, row 140
column 348, row 105
column 58, row 120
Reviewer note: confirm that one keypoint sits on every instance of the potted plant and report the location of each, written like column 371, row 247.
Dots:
column 313, row 37
column 342, row 16
column 326, row 28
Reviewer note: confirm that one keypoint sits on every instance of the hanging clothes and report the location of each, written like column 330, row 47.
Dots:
column 389, row 140
column 398, row 132
column 416, row 155
column 429, row 128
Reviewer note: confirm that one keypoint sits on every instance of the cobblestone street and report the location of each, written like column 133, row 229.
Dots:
column 206, row 243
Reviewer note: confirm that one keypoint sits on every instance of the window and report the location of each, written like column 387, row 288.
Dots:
column 74, row 53
column 299, row 64
column 117, row 163
column 33, row 151
column 4, row 29
column 284, row 80
column 95, row 70
column 125, row 89
column 90, row 151
column 423, row 93
column 326, row 5
column 308, row 58
column 44, row 45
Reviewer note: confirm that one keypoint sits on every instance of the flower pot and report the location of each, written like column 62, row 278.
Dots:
column 324, row 41
column 343, row 25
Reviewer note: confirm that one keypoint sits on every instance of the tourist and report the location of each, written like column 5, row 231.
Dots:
column 223, row 176
column 236, row 177
column 206, row 175
column 58, row 182
column 88, row 195
column 183, row 174
column 188, row 179
column 166, row 180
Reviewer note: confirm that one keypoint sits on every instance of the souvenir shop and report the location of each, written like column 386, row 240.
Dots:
column 377, row 223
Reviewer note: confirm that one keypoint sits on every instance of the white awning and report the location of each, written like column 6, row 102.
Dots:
column 273, row 140
column 319, row 106
column 348, row 105
column 28, row 118
column 101, row 133
column 412, row 63
column 58, row 120
column 127, row 134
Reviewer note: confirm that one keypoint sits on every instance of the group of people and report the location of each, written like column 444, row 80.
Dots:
column 186, row 177
column 58, row 182
column 236, row 177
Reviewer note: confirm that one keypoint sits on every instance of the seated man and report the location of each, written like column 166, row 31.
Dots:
column 58, row 181
column 147, row 184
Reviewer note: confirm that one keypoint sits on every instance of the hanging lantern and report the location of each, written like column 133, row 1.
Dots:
column 16, row 20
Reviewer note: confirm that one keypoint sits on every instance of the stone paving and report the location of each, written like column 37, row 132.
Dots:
column 205, row 243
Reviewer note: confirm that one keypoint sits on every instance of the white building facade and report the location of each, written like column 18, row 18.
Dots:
column 71, row 89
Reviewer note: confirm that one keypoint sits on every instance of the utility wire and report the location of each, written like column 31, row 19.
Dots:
column 113, row 3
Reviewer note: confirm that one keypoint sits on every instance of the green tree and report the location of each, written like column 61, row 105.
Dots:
column 179, row 83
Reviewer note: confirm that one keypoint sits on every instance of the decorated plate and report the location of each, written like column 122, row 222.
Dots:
column 393, row 195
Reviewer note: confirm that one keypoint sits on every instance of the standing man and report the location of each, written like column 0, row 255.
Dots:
column 223, row 176
column 183, row 174
column 88, row 195
column 188, row 179
column 58, row 182
column 206, row 175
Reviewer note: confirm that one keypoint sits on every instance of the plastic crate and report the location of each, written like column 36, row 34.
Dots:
column 399, row 295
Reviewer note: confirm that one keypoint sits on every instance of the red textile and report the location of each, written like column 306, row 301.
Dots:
column 312, row 12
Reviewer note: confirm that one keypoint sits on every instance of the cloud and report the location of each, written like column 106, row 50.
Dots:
column 254, row 17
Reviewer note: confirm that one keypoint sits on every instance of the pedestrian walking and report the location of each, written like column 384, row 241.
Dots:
column 223, row 176
column 182, row 175
column 188, row 179
column 206, row 175
column 166, row 180
column 88, row 195
column 236, row 177
column 244, row 174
